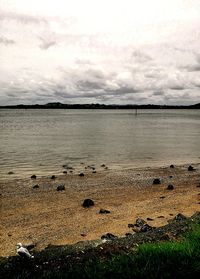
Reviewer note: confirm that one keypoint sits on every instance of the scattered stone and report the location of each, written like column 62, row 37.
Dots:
column 171, row 176
column 139, row 222
column 146, row 228
column 103, row 165
column 106, row 168
column 128, row 234
column 104, row 211
column 10, row 172
column 161, row 216
column 136, row 229
column 191, row 168
column 83, row 234
column 53, row 177
column 9, row 234
column 36, row 186
column 180, row 217
column 162, row 197
column 172, row 166
column 68, row 167
column 109, row 236
column 65, row 172
column 131, row 225
column 81, row 174
column 88, row 203
column 94, row 171
column 30, row 246
column 171, row 214
column 149, row 219
column 33, row 176
column 170, row 187
column 156, row 181
column 60, row 187
column 71, row 171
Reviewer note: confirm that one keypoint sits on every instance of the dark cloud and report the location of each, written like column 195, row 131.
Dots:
column 177, row 87
column 141, row 57
column 47, row 44
column 158, row 93
column 22, row 18
column 6, row 41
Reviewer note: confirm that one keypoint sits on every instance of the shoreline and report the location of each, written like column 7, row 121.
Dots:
column 45, row 216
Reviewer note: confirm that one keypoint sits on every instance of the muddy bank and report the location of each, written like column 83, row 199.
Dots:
column 45, row 216
column 58, row 258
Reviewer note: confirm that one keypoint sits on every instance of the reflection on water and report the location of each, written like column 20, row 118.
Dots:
column 42, row 140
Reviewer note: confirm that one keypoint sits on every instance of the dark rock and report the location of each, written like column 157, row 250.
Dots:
column 83, row 234
column 191, row 168
column 103, row 165
column 53, row 177
column 71, row 171
column 60, row 187
column 139, row 222
column 88, row 203
column 9, row 234
column 36, row 186
column 65, row 172
column 149, row 219
column 180, row 217
column 30, row 246
column 81, row 174
column 171, row 176
column 109, row 236
column 68, row 167
column 156, row 181
column 106, row 168
column 146, row 228
column 94, row 171
column 161, row 216
column 10, row 172
column 128, row 234
column 172, row 166
column 170, row 187
column 131, row 225
column 162, row 197
column 104, row 211
column 171, row 214
column 33, row 176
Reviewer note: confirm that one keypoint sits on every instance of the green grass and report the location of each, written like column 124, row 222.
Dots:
column 162, row 260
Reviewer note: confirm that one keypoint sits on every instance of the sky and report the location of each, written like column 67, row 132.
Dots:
column 100, row 51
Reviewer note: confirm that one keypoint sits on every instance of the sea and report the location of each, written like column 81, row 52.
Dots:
column 41, row 141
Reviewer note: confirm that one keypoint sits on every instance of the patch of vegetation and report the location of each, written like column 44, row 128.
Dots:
column 158, row 260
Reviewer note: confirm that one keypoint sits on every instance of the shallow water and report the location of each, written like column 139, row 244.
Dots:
column 41, row 141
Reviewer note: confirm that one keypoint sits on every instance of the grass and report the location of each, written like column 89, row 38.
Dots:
column 160, row 260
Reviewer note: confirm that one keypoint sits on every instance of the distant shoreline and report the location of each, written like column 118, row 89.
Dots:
column 58, row 105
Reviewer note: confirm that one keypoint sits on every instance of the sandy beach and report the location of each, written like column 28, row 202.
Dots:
column 46, row 216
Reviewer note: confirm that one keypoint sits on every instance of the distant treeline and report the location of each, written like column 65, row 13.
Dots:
column 58, row 105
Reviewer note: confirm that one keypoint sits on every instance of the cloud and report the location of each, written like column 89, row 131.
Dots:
column 6, row 41
column 22, row 18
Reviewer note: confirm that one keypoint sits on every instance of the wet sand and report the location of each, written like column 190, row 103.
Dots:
column 45, row 216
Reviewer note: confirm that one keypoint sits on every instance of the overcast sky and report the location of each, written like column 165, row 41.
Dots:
column 105, row 51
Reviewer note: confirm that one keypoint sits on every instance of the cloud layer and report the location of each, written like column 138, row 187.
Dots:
column 118, row 53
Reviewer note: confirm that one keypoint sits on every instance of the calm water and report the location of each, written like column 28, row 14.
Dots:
column 41, row 141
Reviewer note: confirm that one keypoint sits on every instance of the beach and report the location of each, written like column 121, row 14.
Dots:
column 44, row 216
